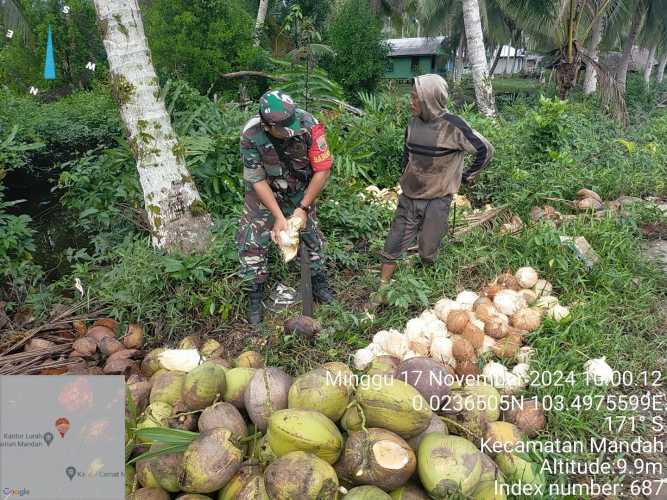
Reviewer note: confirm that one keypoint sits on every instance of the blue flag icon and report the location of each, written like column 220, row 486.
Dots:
column 49, row 63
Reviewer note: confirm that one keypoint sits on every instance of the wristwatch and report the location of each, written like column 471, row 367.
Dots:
column 305, row 209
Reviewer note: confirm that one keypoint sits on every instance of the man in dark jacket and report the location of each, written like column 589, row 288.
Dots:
column 433, row 170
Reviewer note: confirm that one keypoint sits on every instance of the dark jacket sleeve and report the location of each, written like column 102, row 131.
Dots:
column 404, row 160
column 475, row 143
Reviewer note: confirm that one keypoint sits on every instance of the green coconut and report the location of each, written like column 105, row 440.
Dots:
column 346, row 374
column 409, row 492
column 265, row 394
column 166, row 468
column 384, row 365
column 320, row 391
column 396, row 406
column 249, row 359
column 304, row 430
column 237, row 380
column 209, row 462
column 502, row 436
column 144, row 474
column 209, row 347
column 245, row 474
column 352, row 419
column 203, row 385
column 254, row 490
column 436, row 425
column 490, row 472
column 448, row 465
column 225, row 415
column 300, row 475
column 193, row 496
column 488, row 491
column 151, row 362
column 518, row 469
column 167, row 386
column 189, row 342
column 366, row 493
column 130, row 476
column 377, row 457
column 149, row 494
column 477, row 406
column 156, row 415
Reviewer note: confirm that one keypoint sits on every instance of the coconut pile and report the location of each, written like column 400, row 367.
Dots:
column 457, row 332
column 331, row 433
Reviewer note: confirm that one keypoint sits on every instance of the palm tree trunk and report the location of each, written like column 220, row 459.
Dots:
column 477, row 57
column 261, row 18
column 591, row 79
column 661, row 67
column 458, row 62
column 622, row 70
column 648, row 68
column 177, row 215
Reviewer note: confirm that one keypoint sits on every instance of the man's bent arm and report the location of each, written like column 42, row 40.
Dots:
column 265, row 195
column 315, row 187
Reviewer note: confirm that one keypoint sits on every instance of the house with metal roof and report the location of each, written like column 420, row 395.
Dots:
column 410, row 57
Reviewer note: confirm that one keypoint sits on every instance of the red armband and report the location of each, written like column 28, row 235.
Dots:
column 319, row 154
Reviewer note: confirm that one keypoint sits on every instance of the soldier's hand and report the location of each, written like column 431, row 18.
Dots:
column 301, row 214
column 278, row 225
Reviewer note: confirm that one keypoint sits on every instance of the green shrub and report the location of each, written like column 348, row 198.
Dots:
column 356, row 36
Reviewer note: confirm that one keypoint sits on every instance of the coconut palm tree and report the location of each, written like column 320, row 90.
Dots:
column 477, row 57
column 261, row 18
column 177, row 215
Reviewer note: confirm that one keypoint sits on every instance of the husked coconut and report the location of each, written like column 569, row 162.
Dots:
column 99, row 332
column 558, row 312
column 495, row 373
column 522, row 370
column 587, row 193
column 526, row 319
column 508, row 281
column 418, row 336
column 134, row 336
column 466, row 299
column 457, row 321
column 491, row 290
column 109, row 323
column 377, row 457
column 473, row 335
column 485, row 311
column 507, row 347
column 526, row 276
column 110, row 345
column 528, row 417
column 463, row 350
column 496, row 328
column 363, row 358
column 443, row 307
column 487, row 345
column 183, row 360
column 509, row 302
column 482, row 300
column 466, row 368
column 598, row 371
column 546, row 302
column 542, row 287
column 586, row 204
column 36, row 344
column 392, row 342
column 86, row 346
column 441, row 350
column 528, row 295
column 189, row 342
column 525, row 354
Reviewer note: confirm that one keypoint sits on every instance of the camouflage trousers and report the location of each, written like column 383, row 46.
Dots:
column 253, row 238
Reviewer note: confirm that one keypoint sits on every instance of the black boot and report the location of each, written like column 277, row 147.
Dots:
column 321, row 291
column 255, row 295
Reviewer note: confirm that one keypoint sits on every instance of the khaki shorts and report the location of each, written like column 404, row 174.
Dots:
column 424, row 220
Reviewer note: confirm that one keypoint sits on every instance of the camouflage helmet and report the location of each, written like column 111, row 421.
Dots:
column 277, row 109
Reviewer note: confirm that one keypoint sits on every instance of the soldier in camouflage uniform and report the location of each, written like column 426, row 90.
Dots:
column 286, row 162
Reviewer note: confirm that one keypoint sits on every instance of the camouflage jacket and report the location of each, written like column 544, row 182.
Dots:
column 307, row 152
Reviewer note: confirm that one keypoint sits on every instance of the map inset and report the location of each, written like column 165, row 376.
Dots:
column 62, row 437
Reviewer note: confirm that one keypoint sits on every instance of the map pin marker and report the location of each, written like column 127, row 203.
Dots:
column 48, row 437
column 70, row 472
